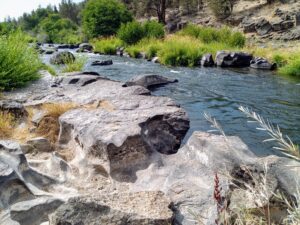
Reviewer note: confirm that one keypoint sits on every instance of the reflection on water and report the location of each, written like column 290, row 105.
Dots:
column 220, row 92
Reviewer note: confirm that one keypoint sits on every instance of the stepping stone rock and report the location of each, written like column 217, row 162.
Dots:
column 102, row 63
column 62, row 58
column 149, row 81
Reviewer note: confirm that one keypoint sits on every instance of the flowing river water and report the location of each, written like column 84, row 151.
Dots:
column 220, row 92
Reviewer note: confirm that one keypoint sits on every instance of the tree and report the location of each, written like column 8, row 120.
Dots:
column 104, row 17
column 221, row 8
column 69, row 10
column 57, row 28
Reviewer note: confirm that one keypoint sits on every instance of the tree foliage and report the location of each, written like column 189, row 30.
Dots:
column 104, row 17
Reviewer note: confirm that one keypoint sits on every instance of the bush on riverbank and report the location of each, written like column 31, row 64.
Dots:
column 107, row 46
column 19, row 63
column 292, row 68
column 209, row 35
column 104, row 17
column 132, row 32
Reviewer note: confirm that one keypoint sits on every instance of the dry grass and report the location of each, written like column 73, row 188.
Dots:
column 48, row 127
column 269, row 208
column 7, row 124
column 285, row 145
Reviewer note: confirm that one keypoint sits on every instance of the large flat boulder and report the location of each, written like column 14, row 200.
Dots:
column 187, row 177
column 117, row 128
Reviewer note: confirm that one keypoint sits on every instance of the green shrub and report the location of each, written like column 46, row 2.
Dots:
column 58, row 30
column 181, row 52
column 209, row 35
column 149, row 46
column 107, row 46
column 237, row 39
column 104, row 17
column 134, row 51
column 76, row 65
column 292, row 68
column 19, row 63
column 131, row 32
column 279, row 60
column 153, row 29
column 221, row 8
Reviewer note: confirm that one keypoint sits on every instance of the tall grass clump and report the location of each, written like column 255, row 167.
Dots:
column 76, row 65
column 19, row 63
column 48, row 127
column 148, row 46
column 154, row 29
column 181, row 51
column 7, row 122
column 131, row 32
column 209, row 35
column 107, row 46
column 292, row 67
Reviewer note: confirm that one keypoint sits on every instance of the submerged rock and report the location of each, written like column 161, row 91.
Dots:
column 62, row 58
column 149, row 81
column 233, row 59
column 102, row 63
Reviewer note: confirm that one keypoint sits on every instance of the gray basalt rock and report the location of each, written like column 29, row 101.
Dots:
column 263, row 27
column 102, row 63
column 40, row 144
column 62, row 58
column 117, row 128
column 13, row 107
column 17, row 168
column 85, row 47
column 187, row 177
column 149, row 81
column 77, row 79
column 233, row 59
column 34, row 212
column 262, row 64
column 132, row 209
column 207, row 60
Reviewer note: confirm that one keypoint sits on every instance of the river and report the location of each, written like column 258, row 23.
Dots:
column 219, row 92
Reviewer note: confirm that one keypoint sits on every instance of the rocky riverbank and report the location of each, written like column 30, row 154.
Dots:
column 93, row 150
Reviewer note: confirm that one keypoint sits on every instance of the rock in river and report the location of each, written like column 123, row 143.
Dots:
column 102, row 63
column 62, row 58
column 262, row 64
column 233, row 59
column 149, row 81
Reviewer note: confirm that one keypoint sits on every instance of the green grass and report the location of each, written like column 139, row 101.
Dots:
column 107, row 46
column 76, row 65
column 19, row 63
column 292, row 68
column 213, row 35
column 149, row 46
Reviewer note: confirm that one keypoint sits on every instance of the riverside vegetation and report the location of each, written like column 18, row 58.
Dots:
column 110, row 26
